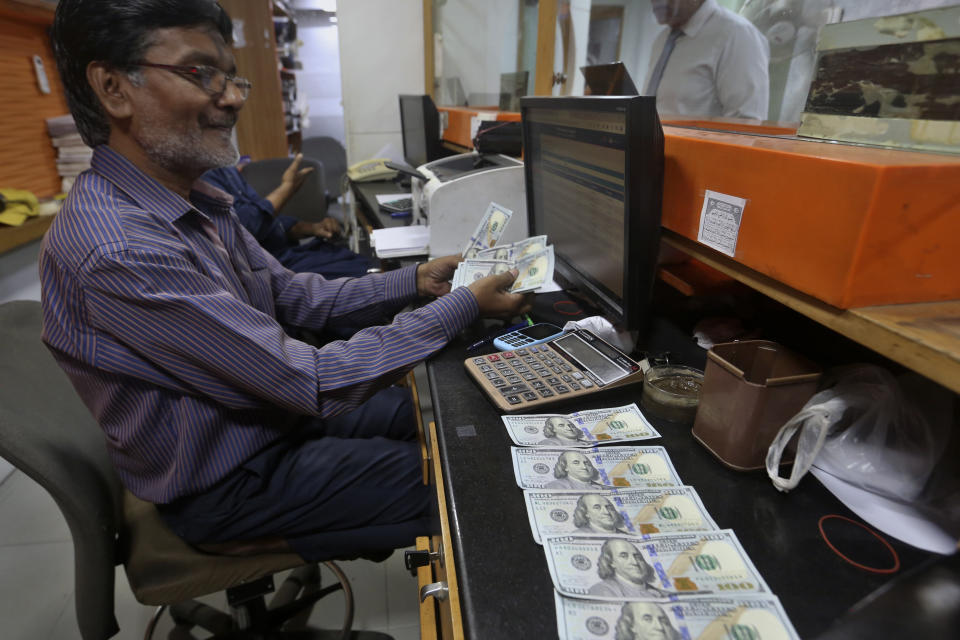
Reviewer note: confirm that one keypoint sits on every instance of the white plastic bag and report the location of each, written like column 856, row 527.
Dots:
column 862, row 430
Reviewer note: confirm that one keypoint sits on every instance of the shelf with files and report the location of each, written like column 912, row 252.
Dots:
column 924, row 337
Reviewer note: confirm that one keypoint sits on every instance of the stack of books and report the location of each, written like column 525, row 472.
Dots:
column 73, row 156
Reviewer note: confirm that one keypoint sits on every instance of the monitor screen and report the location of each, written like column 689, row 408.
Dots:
column 420, row 126
column 513, row 86
column 609, row 79
column 594, row 177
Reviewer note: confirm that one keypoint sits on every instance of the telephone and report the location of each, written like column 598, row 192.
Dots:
column 373, row 169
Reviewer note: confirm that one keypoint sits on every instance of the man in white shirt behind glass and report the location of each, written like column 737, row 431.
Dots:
column 710, row 62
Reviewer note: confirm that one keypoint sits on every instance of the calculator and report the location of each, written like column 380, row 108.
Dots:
column 527, row 336
column 576, row 364
column 397, row 206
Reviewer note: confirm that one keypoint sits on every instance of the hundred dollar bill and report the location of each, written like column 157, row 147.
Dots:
column 592, row 469
column 472, row 270
column 535, row 270
column 515, row 250
column 708, row 618
column 658, row 566
column 489, row 230
column 630, row 511
column 581, row 428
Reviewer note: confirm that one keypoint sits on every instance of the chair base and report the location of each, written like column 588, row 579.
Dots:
column 303, row 634
column 284, row 619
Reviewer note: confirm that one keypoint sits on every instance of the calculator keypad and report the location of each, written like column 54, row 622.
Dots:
column 529, row 375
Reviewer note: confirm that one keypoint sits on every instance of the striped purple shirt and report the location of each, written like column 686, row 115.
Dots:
column 176, row 345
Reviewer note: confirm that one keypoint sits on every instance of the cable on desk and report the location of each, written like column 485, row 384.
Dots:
column 557, row 306
column 893, row 552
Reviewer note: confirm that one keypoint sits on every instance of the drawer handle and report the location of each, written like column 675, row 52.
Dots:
column 438, row 590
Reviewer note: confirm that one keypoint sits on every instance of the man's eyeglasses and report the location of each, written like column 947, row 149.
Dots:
column 210, row 79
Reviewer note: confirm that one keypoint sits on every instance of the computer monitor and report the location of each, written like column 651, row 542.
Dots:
column 513, row 86
column 609, row 79
column 594, row 179
column 420, row 125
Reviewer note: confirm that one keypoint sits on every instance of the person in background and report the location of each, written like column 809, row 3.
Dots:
column 168, row 316
column 710, row 62
column 281, row 235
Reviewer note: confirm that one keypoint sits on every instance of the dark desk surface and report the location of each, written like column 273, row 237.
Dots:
column 504, row 584
column 367, row 193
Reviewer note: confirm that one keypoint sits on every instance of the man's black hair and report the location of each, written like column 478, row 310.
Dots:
column 118, row 34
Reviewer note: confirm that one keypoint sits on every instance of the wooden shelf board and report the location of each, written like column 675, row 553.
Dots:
column 924, row 337
column 33, row 228
column 453, row 146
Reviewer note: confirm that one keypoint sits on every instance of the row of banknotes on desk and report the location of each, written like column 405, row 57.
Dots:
column 483, row 256
column 632, row 551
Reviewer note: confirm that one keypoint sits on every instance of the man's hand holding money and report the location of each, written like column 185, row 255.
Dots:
column 494, row 298
column 433, row 278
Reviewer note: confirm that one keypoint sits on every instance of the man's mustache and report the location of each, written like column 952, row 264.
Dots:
column 225, row 122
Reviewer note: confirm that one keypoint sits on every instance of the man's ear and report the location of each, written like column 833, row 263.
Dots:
column 112, row 89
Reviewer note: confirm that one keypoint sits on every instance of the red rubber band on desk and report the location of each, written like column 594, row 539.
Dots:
column 558, row 303
column 893, row 552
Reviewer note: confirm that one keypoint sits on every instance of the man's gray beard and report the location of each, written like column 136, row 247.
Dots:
column 186, row 154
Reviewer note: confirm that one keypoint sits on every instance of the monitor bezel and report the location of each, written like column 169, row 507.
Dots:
column 431, row 128
column 643, row 188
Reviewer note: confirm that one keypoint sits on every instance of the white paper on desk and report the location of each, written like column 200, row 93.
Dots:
column 905, row 522
column 396, row 242
column 391, row 197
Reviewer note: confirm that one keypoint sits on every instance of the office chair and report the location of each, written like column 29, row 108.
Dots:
column 309, row 203
column 48, row 434
column 331, row 153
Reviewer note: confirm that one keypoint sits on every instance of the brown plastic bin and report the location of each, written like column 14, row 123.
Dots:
column 750, row 389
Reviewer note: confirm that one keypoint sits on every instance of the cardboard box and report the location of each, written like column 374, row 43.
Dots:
column 853, row 226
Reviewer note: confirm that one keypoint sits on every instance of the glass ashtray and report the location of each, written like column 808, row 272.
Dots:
column 672, row 392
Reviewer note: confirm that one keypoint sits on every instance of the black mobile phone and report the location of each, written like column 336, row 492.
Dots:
column 527, row 336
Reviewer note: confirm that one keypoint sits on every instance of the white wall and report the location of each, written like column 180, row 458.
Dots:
column 381, row 56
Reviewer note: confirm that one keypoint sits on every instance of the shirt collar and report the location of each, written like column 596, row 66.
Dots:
column 692, row 26
column 149, row 193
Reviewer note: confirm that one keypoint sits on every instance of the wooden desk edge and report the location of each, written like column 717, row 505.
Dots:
column 888, row 330
column 449, row 566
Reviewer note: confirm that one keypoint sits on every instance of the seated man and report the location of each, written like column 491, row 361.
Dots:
column 166, row 314
column 281, row 235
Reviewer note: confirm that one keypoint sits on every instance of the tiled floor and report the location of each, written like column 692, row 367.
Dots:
column 36, row 580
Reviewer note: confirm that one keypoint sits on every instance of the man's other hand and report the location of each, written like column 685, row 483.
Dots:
column 293, row 175
column 494, row 298
column 433, row 278
column 327, row 228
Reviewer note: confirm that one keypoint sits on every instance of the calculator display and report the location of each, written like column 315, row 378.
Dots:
column 606, row 370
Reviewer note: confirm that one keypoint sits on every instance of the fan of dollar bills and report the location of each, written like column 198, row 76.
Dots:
column 532, row 257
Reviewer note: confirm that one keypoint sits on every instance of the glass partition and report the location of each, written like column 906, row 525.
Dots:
column 726, row 64
column 484, row 52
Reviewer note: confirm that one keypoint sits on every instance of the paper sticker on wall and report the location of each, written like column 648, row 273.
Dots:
column 720, row 221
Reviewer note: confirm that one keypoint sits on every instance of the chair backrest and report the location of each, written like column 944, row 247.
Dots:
column 331, row 153
column 48, row 433
column 308, row 203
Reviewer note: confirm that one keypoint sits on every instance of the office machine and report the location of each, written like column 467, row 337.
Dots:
column 594, row 179
column 610, row 79
column 457, row 192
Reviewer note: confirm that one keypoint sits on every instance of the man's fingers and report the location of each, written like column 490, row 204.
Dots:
column 304, row 171
column 506, row 278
